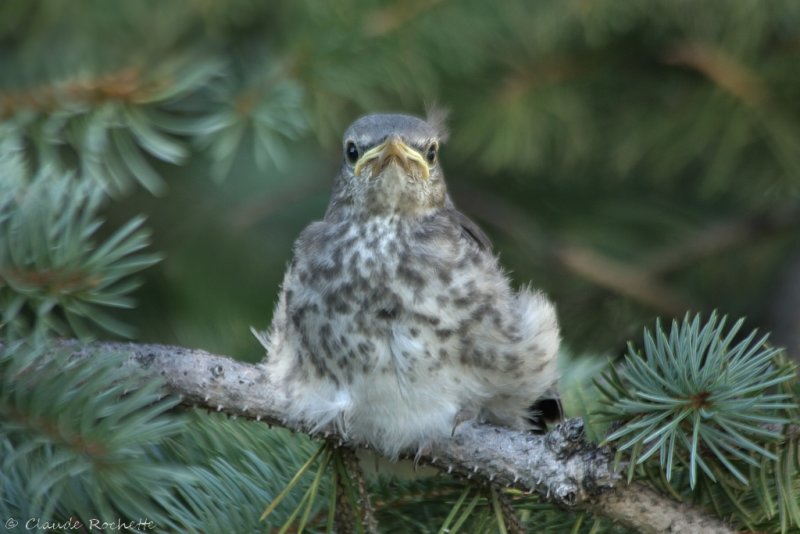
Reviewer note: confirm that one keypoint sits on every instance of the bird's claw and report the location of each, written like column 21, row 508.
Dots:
column 462, row 416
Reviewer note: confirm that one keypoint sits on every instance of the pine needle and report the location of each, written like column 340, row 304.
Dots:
column 498, row 513
column 292, row 483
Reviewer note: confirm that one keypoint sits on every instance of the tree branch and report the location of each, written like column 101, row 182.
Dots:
column 717, row 238
column 125, row 85
column 623, row 279
column 561, row 465
column 722, row 69
column 640, row 507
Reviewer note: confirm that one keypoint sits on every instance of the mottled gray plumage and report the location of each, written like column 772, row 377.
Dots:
column 395, row 322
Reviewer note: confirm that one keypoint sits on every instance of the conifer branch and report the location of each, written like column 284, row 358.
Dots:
column 394, row 16
column 646, row 510
column 623, row 279
column 548, row 72
column 720, row 237
column 722, row 69
column 125, row 85
column 561, row 465
column 616, row 276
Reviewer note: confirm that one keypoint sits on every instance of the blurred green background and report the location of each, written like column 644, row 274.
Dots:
column 633, row 158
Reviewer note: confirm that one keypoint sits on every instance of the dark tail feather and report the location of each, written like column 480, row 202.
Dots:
column 546, row 412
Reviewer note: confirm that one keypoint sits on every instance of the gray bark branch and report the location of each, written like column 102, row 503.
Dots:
column 560, row 465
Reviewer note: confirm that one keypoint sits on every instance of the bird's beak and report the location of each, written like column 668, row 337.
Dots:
column 393, row 149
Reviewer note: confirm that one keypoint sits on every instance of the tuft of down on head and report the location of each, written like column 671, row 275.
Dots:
column 436, row 117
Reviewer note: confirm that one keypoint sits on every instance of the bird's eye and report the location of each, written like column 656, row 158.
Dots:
column 430, row 155
column 351, row 152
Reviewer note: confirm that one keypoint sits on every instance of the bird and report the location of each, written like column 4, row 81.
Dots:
column 395, row 322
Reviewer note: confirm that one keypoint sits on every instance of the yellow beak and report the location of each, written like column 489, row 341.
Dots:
column 393, row 149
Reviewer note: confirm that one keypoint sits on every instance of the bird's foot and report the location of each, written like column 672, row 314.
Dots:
column 423, row 450
column 462, row 416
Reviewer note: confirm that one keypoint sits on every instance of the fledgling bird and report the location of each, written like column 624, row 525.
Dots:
column 395, row 322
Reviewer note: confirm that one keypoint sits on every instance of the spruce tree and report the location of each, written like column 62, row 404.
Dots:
column 637, row 160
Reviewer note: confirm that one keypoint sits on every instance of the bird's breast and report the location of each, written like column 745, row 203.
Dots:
column 384, row 295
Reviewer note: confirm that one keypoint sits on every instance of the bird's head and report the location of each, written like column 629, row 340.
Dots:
column 391, row 165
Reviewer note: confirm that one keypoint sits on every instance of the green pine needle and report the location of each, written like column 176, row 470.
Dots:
column 698, row 395
column 292, row 483
column 465, row 514
column 78, row 438
column 454, row 510
column 332, row 502
column 51, row 267
column 498, row 512
column 313, row 490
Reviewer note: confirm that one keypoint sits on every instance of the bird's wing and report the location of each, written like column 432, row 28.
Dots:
column 472, row 231
column 469, row 229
